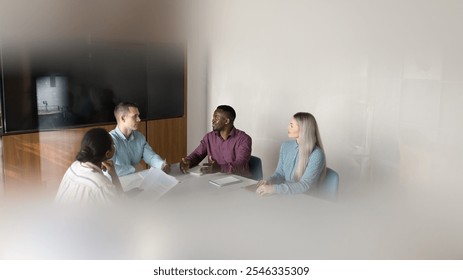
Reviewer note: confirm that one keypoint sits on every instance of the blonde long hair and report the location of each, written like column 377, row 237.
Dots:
column 309, row 138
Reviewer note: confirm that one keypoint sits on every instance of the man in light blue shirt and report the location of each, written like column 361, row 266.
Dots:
column 130, row 144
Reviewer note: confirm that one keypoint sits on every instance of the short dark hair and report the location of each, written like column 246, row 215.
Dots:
column 95, row 143
column 228, row 110
column 123, row 107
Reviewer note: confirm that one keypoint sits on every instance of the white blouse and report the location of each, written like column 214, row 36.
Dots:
column 85, row 182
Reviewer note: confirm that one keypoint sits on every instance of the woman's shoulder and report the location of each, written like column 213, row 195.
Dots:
column 318, row 153
column 88, row 172
column 317, row 149
column 76, row 167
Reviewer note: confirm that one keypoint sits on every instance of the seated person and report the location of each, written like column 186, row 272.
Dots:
column 227, row 148
column 301, row 164
column 131, row 145
column 84, row 181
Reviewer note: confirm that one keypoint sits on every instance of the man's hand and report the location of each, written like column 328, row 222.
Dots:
column 166, row 167
column 184, row 165
column 140, row 167
column 211, row 167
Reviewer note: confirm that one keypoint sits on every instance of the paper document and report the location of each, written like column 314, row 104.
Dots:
column 157, row 183
column 225, row 181
column 153, row 181
column 133, row 180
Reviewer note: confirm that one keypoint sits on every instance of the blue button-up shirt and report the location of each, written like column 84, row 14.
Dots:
column 130, row 151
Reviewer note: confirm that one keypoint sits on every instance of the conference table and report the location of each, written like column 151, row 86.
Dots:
column 201, row 186
column 190, row 188
column 196, row 219
column 183, row 185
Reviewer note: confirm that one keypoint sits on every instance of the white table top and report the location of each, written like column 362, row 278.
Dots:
column 197, row 220
column 200, row 185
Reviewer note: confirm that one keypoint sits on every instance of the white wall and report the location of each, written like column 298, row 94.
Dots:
column 383, row 78
column 197, row 53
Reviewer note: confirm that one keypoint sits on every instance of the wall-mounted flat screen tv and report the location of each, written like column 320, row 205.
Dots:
column 54, row 85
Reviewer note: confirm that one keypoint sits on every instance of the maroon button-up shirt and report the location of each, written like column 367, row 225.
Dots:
column 232, row 154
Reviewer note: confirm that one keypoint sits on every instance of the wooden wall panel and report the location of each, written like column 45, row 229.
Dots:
column 36, row 162
column 168, row 138
column 58, row 150
column 21, row 155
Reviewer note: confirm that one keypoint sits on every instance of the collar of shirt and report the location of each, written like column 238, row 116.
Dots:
column 295, row 145
column 119, row 132
column 232, row 134
column 91, row 166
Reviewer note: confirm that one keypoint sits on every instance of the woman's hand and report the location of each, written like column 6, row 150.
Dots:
column 264, row 188
column 109, row 167
column 261, row 182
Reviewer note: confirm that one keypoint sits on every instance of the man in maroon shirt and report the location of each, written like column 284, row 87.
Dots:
column 227, row 148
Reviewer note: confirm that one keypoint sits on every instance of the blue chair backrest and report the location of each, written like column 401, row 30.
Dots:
column 255, row 166
column 329, row 186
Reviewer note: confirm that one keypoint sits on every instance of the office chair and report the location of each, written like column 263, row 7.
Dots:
column 255, row 166
column 329, row 186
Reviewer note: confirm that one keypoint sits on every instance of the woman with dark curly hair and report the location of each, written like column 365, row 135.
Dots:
column 84, row 181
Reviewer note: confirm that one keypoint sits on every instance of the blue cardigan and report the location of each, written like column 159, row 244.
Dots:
column 282, row 179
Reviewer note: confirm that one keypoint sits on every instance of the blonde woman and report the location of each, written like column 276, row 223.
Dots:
column 301, row 164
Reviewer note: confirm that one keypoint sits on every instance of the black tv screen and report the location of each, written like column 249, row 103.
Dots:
column 53, row 85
